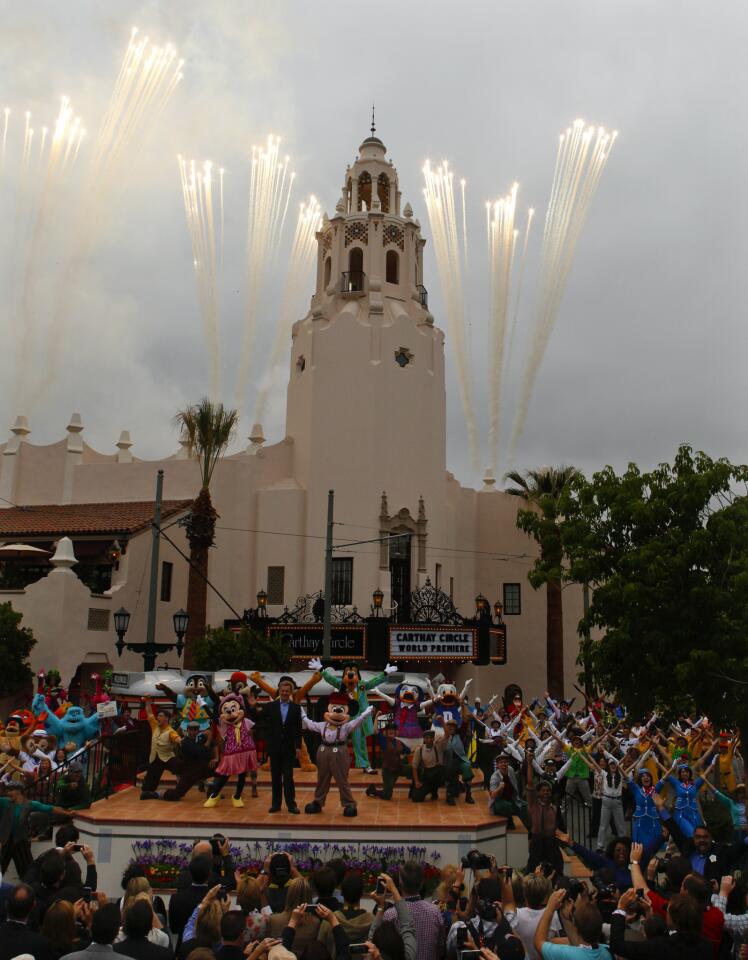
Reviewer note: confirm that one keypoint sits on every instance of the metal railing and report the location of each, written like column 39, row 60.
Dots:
column 352, row 281
column 108, row 763
column 578, row 818
column 423, row 296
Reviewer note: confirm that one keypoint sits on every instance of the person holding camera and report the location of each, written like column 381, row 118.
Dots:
column 396, row 933
column 324, row 914
column 485, row 921
column 586, row 929
column 683, row 941
column 426, row 917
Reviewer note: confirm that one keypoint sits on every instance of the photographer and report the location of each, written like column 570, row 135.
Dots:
column 392, row 935
column 299, row 915
column 426, row 916
column 683, row 942
column 278, row 871
column 222, row 865
column 586, row 929
column 486, row 920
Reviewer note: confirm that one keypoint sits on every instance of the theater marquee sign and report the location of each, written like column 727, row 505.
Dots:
column 426, row 642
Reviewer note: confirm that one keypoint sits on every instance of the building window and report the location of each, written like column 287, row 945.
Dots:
column 392, row 267
column 383, row 192
column 301, row 364
column 403, row 357
column 512, row 599
column 98, row 619
column 328, row 271
column 438, row 576
column 364, row 191
column 342, row 581
column 451, row 588
column 276, row 584
column 167, row 570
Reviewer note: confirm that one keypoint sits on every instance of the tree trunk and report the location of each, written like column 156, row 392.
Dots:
column 200, row 533
column 554, row 639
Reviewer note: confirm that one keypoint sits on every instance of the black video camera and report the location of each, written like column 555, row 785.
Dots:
column 475, row 860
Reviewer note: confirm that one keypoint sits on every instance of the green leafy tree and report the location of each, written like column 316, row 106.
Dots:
column 208, row 428
column 245, row 649
column 542, row 491
column 666, row 553
column 15, row 648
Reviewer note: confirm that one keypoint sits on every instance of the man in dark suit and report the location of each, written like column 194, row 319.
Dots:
column 282, row 719
column 711, row 859
column 15, row 935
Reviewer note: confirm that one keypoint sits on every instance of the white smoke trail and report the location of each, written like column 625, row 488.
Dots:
column 300, row 265
column 440, row 204
column 197, row 193
column 268, row 199
column 581, row 158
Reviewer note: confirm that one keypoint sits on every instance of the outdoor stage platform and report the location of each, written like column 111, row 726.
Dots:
column 111, row 826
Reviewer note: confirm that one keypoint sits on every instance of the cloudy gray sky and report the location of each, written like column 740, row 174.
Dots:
column 650, row 345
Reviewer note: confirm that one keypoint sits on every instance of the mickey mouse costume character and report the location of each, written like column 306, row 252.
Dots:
column 350, row 683
column 333, row 762
column 239, row 753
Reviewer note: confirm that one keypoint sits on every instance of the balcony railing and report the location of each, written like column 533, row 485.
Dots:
column 352, row 281
column 423, row 296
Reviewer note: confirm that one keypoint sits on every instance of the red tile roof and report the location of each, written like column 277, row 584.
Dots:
column 58, row 520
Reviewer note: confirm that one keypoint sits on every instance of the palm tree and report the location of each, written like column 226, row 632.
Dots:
column 208, row 428
column 542, row 490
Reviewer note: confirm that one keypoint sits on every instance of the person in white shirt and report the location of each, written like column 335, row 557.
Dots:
column 524, row 922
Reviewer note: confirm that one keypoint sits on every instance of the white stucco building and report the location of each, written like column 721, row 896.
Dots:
column 366, row 417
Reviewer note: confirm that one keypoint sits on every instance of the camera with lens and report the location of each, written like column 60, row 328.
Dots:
column 475, row 860
column 485, row 909
column 279, row 869
column 575, row 888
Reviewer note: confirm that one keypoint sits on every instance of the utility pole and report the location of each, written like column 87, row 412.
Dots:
column 587, row 666
column 149, row 654
column 327, row 619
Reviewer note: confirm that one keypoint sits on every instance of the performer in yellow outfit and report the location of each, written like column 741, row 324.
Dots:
column 299, row 695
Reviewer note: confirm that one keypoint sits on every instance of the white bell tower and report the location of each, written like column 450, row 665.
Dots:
column 366, row 396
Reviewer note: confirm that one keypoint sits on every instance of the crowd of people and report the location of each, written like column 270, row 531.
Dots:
column 688, row 902
column 653, row 811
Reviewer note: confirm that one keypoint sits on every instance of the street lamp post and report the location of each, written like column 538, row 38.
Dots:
column 150, row 649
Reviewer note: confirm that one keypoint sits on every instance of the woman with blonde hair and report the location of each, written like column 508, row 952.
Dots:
column 299, row 891
column 207, row 932
column 141, row 894
column 250, row 898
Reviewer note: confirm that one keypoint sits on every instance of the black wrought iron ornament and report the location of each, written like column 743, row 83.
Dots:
column 430, row 604
column 310, row 608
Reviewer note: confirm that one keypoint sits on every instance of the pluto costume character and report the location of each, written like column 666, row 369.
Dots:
column 356, row 688
column 333, row 762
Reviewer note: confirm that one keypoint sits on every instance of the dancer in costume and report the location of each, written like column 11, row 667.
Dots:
column 352, row 685
column 239, row 753
column 193, row 704
column 686, row 812
column 342, row 718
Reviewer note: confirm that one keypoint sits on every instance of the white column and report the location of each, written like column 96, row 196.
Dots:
column 8, row 476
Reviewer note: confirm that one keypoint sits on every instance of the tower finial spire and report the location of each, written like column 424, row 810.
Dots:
column 373, row 126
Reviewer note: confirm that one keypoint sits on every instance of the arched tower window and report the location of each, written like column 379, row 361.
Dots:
column 392, row 267
column 383, row 192
column 328, row 271
column 348, row 196
column 356, row 260
column 364, row 191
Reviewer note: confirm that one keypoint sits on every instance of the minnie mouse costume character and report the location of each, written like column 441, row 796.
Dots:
column 239, row 753
column 333, row 761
